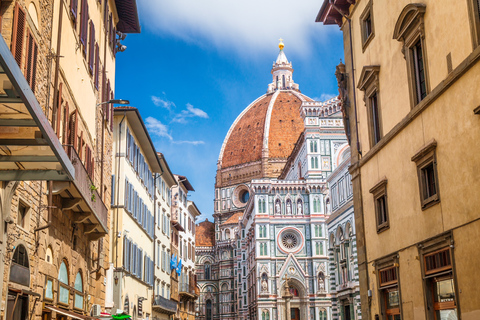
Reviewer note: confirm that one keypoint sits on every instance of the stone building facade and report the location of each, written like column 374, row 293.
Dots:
column 58, row 70
column 409, row 88
column 342, row 248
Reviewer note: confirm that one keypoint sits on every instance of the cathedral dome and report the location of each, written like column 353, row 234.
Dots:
column 269, row 127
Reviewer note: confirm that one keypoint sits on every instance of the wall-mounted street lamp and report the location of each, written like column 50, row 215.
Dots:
column 115, row 101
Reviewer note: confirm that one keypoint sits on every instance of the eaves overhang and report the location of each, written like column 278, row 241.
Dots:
column 128, row 16
column 29, row 148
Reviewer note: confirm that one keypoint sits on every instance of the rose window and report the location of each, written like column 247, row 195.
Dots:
column 290, row 241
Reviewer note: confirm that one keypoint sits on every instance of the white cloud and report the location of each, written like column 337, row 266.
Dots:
column 240, row 25
column 164, row 103
column 325, row 96
column 157, row 128
column 195, row 143
column 197, row 112
column 189, row 113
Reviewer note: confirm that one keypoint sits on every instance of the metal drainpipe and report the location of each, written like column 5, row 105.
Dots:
column 104, row 75
column 57, row 67
column 118, row 185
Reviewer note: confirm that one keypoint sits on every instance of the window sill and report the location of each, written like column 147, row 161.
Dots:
column 382, row 228
column 427, row 203
column 367, row 41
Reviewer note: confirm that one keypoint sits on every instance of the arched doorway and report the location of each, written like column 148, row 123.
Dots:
column 208, row 310
column 298, row 303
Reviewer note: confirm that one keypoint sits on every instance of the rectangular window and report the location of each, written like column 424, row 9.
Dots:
column 379, row 192
column 419, row 71
column 366, row 25
column 22, row 215
column 426, row 162
column 375, row 119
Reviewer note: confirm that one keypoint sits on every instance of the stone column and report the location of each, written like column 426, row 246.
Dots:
column 287, row 296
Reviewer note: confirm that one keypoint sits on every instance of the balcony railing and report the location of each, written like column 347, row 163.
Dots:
column 188, row 290
column 164, row 305
column 82, row 197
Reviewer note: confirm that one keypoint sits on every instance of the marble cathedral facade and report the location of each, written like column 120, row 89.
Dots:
column 271, row 208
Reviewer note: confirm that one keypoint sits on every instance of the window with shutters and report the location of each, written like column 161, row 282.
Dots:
column 379, row 192
column 91, row 48
column 84, row 26
column 97, row 66
column 74, row 11
column 18, row 35
column 410, row 30
column 30, row 69
column 65, row 124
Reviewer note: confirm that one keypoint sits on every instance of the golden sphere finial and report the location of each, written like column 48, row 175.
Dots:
column 281, row 45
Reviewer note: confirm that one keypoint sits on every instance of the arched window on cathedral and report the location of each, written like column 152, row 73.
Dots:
column 207, row 270
column 265, row 315
column 316, row 163
column 208, row 310
column 315, row 146
column 283, row 81
column 312, row 163
column 311, row 146
column 260, row 205
column 264, row 206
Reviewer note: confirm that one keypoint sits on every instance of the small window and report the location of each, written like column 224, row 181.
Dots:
column 369, row 83
column 22, row 219
column 63, row 287
column 366, row 24
column 426, row 162
column 78, row 300
column 379, row 192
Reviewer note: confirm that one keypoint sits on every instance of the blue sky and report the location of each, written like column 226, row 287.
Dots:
column 197, row 64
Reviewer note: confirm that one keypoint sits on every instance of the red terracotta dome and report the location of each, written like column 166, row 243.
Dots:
column 269, row 125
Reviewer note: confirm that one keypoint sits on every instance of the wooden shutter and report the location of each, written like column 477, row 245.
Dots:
column 66, row 125
column 111, row 112
column 437, row 261
column 84, row 26
column 91, row 48
column 74, row 11
column 388, row 276
column 110, row 29
column 18, row 33
column 114, row 40
column 30, row 69
column 97, row 65
column 59, row 110
column 105, row 14
column 73, row 129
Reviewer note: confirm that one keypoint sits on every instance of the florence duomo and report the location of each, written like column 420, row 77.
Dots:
column 152, row 169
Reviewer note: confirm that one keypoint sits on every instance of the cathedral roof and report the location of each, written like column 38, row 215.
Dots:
column 205, row 234
column 269, row 127
column 272, row 122
column 234, row 218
